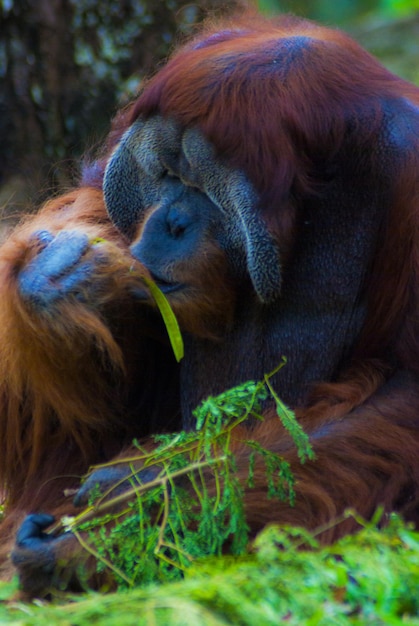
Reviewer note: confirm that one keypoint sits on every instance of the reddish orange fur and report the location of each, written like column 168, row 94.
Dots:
column 365, row 435
column 58, row 413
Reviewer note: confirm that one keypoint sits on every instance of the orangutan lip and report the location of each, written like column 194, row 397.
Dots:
column 164, row 285
column 144, row 294
column 169, row 287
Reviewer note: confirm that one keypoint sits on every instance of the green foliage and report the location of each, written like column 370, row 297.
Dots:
column 368, row 578
column 193, row 505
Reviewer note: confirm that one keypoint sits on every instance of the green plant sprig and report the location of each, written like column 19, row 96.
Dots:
column 195, row 504
column 287, row 417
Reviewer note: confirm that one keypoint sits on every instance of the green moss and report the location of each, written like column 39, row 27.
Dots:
column 369, row 578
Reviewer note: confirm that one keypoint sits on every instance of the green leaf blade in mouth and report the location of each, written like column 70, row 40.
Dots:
column 169, row 318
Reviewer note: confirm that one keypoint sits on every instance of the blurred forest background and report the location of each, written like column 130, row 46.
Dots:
column 66, row 65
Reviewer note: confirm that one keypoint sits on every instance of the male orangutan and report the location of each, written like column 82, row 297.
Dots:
column 267, row 178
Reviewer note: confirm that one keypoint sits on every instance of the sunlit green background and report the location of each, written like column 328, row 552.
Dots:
column 341, row 11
